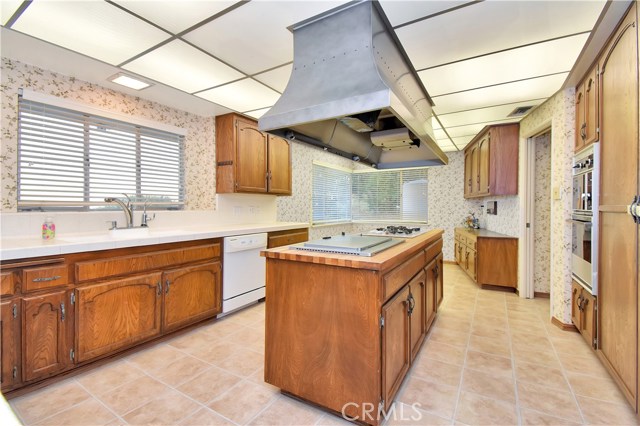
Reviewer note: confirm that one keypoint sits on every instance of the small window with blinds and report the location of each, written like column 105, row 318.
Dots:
column 331, row 195
column 390, row 195
column 71, row 160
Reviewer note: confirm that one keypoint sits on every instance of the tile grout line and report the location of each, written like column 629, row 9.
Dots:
column 513, row 367
column 95, row 397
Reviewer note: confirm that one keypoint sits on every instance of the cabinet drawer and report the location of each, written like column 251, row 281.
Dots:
column 284, row 239
column 462, row 239
column 127, row 265
column 45, row 277
column 7, row 283
column 432, row 251
column 401, row 275
column 471, row 242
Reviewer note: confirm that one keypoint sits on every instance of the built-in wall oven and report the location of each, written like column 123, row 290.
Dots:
column 584, row 244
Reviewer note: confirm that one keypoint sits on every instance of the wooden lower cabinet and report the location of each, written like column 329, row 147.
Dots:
column 116, row 314
column 489, row 258
column 421, row 298
column 10, row 371
column 439, row 280
column 396, row 352
column 583, row 312
column 191, row 294
column 47, row 330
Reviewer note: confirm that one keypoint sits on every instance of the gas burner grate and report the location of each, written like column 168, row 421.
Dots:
column 398, row 230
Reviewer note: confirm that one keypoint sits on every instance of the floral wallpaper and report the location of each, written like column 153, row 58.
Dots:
column 542, row 213
column 507, row 221
column 199, row 141
column 559, row 112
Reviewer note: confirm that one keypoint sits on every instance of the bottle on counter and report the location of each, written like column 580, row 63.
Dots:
column 48, row 229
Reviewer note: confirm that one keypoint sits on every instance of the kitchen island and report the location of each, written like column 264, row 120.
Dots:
column 343, row 330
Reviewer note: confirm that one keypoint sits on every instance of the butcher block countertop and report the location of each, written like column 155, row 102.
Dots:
column 379, row 262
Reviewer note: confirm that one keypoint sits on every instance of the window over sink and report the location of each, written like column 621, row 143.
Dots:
column 72, row 160
column 341, row 195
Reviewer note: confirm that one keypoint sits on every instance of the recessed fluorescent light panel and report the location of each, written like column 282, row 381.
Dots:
column 128, row 81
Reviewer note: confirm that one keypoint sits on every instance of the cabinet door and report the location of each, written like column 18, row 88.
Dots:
column 9, row 344
column 46, row 328
column 418, row 301
column 115, row 314
column 431, row 280
column 439, row 280
column 580, row 113
column 471, row 261
column 588, row 323
column 395, row 343
column 483, row 165
column 251, row 158
column 279, row 162
column 591, row 107
column 475, row 171
column 576, row 299
column 191, row 294
column 617, row 269
column 468, row 181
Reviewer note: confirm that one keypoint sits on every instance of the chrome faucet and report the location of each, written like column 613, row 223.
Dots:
column 127, row 208
column 144, row 222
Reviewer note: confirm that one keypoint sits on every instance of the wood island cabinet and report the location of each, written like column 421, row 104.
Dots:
column 489, row 258
column 288, row 237
column 249, row 160
column 60, row 313
column 491, row 162
column 353, row 324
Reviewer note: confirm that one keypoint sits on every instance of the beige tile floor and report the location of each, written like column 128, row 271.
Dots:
column 490, row 359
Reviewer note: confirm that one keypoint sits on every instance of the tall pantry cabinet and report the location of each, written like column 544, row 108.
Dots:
column 618, row 329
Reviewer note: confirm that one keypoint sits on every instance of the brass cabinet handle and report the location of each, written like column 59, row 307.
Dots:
column 62, row 312
column 159, row 288
column 167, row 284
column 44, row 279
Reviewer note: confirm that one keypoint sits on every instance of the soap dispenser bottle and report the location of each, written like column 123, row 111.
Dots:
column 48, row 229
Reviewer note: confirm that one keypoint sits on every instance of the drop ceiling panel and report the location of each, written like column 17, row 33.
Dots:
column 184, row 67
column 449, row 148
column 258, row 113
column 244, row 95
column 403, row 11
column 489, row 26
column 277, row 78
column 503, row 94
column 525, row 62
column 7, row 9
column 254, row 37
column 462, row 141
column 483, row 115
column 96, row 29
column 175, row 16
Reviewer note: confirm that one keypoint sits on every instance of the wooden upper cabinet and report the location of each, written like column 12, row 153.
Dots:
column 117, row 313
column 47, row 327
column 483, row 166
column 249, row 160
column 491, row 162
column 191, row 294
column 587, row 110
column 10, row 343
column 279, row 164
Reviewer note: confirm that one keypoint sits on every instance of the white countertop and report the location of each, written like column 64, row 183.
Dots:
column 20, row 248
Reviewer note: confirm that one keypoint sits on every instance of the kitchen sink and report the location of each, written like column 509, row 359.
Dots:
column 123, row 233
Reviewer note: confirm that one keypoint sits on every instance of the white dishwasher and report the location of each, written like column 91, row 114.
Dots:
column 243, row 271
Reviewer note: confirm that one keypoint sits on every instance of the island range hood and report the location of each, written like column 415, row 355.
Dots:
column 352, row 92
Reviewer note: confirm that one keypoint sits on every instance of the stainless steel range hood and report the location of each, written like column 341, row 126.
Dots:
column 352, row 92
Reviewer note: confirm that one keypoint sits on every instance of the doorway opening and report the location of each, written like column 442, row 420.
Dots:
column 536, row 279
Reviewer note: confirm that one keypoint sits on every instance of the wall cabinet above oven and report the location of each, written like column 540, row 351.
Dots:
column 249, row 160
column 491, row 162
column 587, row 131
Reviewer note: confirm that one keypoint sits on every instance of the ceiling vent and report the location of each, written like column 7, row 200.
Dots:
column 520, row 111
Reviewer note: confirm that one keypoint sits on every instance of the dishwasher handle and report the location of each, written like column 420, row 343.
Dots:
column 245, row 242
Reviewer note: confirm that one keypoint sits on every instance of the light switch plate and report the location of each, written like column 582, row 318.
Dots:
column 556, row 193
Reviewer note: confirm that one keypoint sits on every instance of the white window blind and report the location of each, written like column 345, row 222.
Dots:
column 331, row 195
column 73, row 160
column 390, row 195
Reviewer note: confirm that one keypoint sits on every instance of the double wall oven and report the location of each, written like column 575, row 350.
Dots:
column 584, row 241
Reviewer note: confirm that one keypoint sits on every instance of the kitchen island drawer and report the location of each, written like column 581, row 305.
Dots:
column 401, row 275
